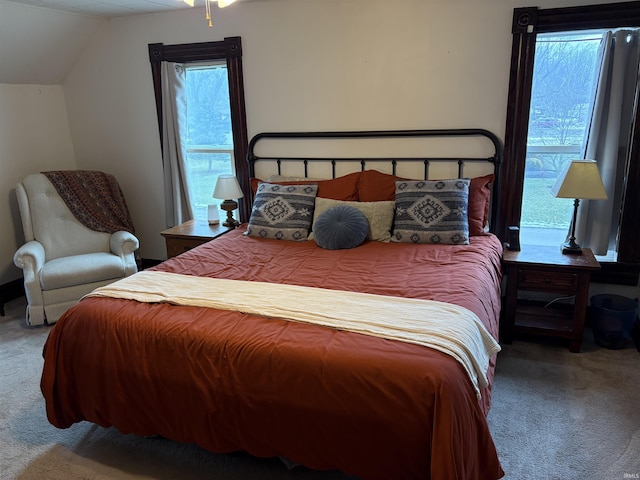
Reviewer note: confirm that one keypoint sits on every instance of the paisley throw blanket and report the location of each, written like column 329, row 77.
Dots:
column 94, row 198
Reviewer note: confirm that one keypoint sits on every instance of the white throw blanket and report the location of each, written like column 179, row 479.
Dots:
column 448, row 328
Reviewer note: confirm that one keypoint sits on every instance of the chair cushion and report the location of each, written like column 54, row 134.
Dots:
column 79, row 269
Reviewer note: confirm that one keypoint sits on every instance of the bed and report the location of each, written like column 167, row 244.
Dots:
column 184, row 351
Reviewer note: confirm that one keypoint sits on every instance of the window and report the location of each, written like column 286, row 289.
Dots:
column 228, row 51
column 528, row 24
column 562, row 94
column 209, row 142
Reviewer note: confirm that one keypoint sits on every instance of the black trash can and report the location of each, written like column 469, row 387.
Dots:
column 612, row 318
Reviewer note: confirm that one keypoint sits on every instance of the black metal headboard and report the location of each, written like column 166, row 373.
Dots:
column 371, row 161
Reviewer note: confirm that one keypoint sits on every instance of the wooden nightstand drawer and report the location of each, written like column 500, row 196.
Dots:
column 191, row 234
column 178, row 246
column 556, row 281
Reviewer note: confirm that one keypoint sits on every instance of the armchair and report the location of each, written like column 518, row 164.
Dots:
column 62, row 259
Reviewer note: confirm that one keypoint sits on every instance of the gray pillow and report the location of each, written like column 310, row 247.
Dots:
column 340, row 227
column 282, row 212
column 432, row 211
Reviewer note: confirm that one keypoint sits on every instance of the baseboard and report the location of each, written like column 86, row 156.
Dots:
column 149, row 262
column 10, row 291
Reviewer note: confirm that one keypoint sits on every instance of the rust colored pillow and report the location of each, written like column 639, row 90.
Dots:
column 343, row 188
column 479, row 199
column 375, row 186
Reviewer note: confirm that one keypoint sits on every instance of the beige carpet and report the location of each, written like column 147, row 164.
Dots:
column 561, row 415
column 555, row 415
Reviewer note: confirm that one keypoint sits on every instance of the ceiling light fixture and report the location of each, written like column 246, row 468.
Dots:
column 207, row 5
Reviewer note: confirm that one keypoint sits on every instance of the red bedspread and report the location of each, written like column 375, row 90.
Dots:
column 328, row 399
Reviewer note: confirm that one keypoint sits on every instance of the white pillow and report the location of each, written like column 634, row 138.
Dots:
column 379, row 215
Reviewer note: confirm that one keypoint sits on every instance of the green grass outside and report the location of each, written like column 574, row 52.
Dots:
column 541, row 209
column 204, row 169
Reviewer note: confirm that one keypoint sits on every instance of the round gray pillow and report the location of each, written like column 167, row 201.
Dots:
column 340, row 227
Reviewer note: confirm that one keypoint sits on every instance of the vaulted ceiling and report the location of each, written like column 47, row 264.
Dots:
column 41, row 40
column 107, row 8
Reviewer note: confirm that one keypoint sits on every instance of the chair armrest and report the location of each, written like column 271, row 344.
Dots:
column 30, row 257
column 123, row 244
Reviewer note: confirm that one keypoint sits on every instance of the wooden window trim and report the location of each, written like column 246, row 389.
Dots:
column 230, row 50
column 527, row 22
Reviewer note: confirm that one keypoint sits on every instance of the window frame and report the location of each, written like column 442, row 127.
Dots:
column 229, row 50
column 527, row 23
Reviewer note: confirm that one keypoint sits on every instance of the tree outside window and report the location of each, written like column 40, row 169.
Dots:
column 565, row 70
column 209, row 133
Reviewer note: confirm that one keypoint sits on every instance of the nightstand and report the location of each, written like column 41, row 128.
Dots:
column 190, row 234
column 547, row 270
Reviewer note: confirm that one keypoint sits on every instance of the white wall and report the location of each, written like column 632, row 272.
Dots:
column 34, row 136
column 308, row 65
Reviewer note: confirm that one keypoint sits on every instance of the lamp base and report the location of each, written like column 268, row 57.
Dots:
column 229, row 206
column 231, row 223
column 571, row 248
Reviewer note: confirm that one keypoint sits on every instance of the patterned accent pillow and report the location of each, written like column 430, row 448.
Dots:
column 282, row 212
column 433, row 211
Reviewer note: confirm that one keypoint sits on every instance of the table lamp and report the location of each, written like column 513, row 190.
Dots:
column 580, row 179
column 227, row 188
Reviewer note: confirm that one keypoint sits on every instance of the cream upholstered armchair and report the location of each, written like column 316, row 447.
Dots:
column 63, row 259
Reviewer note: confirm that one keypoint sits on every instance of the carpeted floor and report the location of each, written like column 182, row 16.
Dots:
column 561, row 415
column 555, row 415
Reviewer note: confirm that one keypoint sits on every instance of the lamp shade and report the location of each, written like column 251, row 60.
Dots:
column 580, row 179
column 227, row 187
